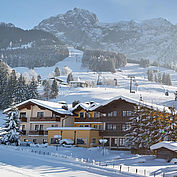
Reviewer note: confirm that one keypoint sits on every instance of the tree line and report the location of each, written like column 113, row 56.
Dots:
column 103, row 61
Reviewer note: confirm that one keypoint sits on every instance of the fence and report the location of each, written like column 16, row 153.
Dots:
column 120, row 168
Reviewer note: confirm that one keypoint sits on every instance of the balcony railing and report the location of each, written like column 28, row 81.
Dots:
column 23, row 119
column 103, row 119
column 112, row 133
column 38, row 132
column 91, row 119
column 36, row 119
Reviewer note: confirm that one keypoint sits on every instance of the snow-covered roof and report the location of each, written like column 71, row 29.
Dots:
column 134, row 101
column 166, row 144
column 86, row 106
column 71, row 128
column 53, row 106
column 73, row 82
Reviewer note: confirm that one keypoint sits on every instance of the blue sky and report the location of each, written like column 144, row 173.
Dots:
column 28, row 13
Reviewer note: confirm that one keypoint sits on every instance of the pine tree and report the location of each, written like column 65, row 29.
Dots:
column 32, row 89
column 164, row 79
column 168, row 80
column 12, row 127
column 21, row 90
column 54, row 89
column 47, row 89
column 70, row 77
column 159, row 77
column 57, row 71
column 150, row 75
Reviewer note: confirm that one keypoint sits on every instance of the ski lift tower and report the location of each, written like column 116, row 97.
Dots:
column 131, row 80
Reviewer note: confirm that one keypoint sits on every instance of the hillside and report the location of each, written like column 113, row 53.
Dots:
column 154, row 39
column 29, row 48
column 150, row 91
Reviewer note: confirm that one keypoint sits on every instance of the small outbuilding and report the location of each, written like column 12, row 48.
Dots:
column 165, row 150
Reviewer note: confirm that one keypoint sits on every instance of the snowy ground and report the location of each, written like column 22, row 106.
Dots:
column 74, row 161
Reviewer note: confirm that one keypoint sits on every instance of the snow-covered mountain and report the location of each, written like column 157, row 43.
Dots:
column 154, row 39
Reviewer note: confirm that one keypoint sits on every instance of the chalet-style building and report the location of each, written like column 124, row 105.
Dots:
column 37, row 115
column 165, row 150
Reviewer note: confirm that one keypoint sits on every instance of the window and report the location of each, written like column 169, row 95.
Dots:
column 100, row 127
column 40, row 114
column 96, row 114
column 36, row 127
column 129, row 113
column 80, row 125
column 81, row 141
column 41, row 127
column 114, row 113
column 25, row 140
column 122, row 142
column 54, row 141
column 93, row 141
column 55, row 115
column 110, row 114
column 86, row 125
column 22, row 114
column 81, row 115
column 124, row 113
column 86, row 115
column 114, row 127
column 109, row 126
column 95, row 126
column 23, row 127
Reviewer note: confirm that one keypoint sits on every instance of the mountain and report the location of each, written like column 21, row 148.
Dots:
column 151, row 39
column 29, row 48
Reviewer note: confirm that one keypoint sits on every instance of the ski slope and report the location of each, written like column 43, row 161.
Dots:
column 150, row 91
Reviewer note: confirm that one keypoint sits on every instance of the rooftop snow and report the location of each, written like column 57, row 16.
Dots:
column 166, row 144
column 56, row 107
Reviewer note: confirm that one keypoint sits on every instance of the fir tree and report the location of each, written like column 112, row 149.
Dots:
column 70, row 77
column 12, row 127
column 54, row 89
column 32, row 89
column 47, row 89
column 57, row 71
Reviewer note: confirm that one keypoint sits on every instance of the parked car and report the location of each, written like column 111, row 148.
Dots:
column 66, row 142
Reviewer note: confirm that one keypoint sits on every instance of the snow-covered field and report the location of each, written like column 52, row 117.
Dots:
column 74, row 161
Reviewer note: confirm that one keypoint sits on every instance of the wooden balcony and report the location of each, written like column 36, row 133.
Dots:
column 23, row 119
column 36, row 119
column 112, row 133
column 104, row 119
column 91, row 119
column 38, row 132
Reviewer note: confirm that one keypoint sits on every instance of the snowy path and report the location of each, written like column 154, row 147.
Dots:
column 18, row 163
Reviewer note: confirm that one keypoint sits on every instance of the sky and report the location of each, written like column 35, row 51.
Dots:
column 28, row 13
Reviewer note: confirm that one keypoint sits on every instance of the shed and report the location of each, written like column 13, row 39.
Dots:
column 165, row 150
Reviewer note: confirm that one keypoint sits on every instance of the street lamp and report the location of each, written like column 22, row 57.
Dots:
column 103, row 141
